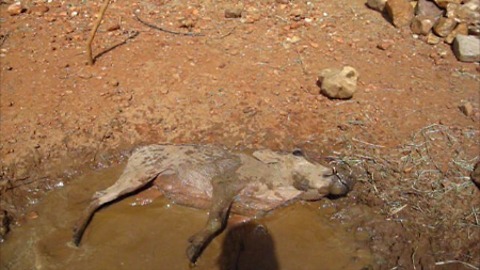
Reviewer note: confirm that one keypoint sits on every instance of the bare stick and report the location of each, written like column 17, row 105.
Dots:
column 94, row 31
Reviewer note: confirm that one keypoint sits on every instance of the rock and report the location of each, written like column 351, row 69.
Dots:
column 233, row 13
column 475, row 175
column 451, row 10
column 39, row 10
column 466, row 108
column 474, row 30
column 400, row 12
column 378, row 5
column 113, row 83
column 336, row 83
column 444, row 3
column 284, row 2
column 468, row 13
column 444, row 26
column 249, row 111
column 113, row 27
column 187, row 23
column 433, row 39
column 467, row 48
column 15, row 9
column 461, row 29
column 385, row 44
column 428, row 8
column 421, row 25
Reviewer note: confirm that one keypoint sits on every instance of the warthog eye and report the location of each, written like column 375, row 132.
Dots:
column 298, row 153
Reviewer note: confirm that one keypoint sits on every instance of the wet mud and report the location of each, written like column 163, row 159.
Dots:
column 126, row 235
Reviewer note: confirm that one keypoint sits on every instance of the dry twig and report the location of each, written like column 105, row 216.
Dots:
column 471, row 266
column 94, row 30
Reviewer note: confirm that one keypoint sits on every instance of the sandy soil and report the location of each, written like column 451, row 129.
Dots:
column 250, row 82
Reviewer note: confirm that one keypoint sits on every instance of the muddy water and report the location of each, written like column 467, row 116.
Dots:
column 154, row 236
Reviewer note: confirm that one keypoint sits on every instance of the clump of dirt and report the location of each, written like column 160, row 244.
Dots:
column 249, row 82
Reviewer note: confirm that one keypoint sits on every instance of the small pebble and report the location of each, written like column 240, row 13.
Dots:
column 15, row 9
column 466, row 108
column 231, row 13
column 113, row 27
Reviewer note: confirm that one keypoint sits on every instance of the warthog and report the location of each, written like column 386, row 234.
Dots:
column 212, row 177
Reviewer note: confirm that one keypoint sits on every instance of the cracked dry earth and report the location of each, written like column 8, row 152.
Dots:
column 250, row 83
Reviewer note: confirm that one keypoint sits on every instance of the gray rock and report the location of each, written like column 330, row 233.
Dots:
column 467, row 48
column 335, row 83
column 378, row 5
column 468, row 13
column 428, row 8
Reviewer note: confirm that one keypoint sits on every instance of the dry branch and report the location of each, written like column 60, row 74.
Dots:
column 94, row 30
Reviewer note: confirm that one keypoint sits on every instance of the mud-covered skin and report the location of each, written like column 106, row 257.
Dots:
column 250, row 185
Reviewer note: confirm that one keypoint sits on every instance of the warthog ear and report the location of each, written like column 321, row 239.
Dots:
column 267, row 156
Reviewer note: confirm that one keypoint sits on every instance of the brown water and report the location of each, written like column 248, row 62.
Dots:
column 122, row 236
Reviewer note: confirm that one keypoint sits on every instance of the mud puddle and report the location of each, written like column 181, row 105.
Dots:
column 154, row 236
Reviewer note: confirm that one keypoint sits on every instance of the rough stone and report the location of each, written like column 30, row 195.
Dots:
column 385, row 44
column 474, row 30
column 444, row 3
column 428, row 8
column 233, row 13
column 335, row 83
column 433, row 39
column 444, row 26
column 467, row 48
column 378, row 5
column 400, row 12
column 113, row 27
column 421, row 25
column 468, row 12
column 15, row 9
column 466, row 108
column 461, row 29
column 284, row 2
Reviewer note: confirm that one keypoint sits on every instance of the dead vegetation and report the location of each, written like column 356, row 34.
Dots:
column 425, row 186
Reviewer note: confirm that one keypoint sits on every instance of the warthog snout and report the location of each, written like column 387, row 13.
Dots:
column 343, row 180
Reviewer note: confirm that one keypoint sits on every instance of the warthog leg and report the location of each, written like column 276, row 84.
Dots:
column 224, row 190
column 131, row 180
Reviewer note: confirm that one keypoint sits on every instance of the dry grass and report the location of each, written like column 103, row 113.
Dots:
column 425, row 185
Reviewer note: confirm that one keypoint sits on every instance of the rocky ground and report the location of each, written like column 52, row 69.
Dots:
column 248, row 79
